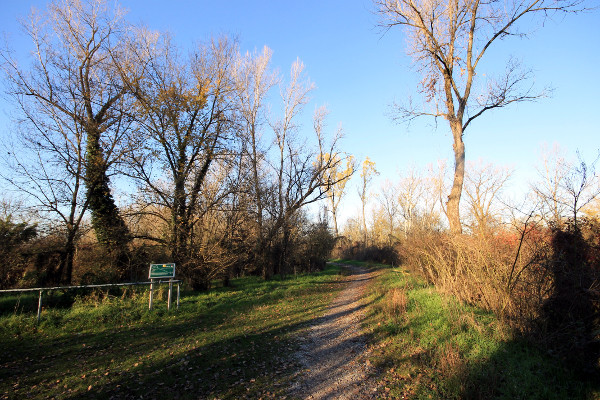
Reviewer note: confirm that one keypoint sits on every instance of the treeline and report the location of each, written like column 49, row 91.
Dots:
column 535, row 262
column 212, row 170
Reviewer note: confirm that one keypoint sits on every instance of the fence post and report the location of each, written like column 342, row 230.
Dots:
column 178, row 295
column 169, row 297
column 39, row 313
column 151, row 294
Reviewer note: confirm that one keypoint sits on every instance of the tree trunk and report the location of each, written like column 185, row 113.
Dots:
column 110, row 228
column 335, row 224
column 364, row 223
column 453, row 203
column 264, row 257
column 180, row 225
column 68, row 257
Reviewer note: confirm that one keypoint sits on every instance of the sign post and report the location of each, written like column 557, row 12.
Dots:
column 39, row 313
column 158, row 271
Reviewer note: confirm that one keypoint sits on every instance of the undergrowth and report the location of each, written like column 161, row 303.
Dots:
column 428, row 345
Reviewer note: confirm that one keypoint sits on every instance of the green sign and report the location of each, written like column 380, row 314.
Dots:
column 162, row 271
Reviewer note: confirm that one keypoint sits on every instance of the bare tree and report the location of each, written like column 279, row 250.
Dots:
column 186, row 116
column 299, row 171
column 582, row 186
column 253, row 80
column 75, row 107
column 340, row 174
column 410, row 193
column 75, row 87
column 388, row 199
column 434, row 189
column 367, row 174
column 483, row 184
column 548, row 190
column 449, row 39
column 47, row 165
column 294, row 96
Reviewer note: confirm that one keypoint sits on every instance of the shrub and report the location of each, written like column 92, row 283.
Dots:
column 12, row 238
column 542, row 282
column 384, row 254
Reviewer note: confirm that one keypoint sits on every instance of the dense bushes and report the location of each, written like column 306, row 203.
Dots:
column 35, row 262
column 13, row 236
column 384, row 254
column 542, row 281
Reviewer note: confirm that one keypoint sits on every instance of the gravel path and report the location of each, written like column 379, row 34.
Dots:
column 333, row 351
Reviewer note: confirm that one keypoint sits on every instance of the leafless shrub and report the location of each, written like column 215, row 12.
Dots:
column 486, row 271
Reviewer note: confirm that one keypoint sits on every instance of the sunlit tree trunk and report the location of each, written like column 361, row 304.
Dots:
column 453, row 203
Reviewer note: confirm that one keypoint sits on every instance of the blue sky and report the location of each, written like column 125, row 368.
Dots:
column 359, row 72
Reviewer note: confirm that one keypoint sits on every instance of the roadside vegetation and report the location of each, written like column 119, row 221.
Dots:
column 231, row 342
column 429, row 345
column 534, row 266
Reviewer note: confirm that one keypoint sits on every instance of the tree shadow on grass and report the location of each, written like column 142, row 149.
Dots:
column 563, row 362
column 152, row 362
column 517, row 370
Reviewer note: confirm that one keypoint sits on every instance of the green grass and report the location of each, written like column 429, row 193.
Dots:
column 428, row 346
column 233, row 343
column 227, row 343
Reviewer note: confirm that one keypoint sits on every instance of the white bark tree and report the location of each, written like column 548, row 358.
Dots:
column 254, row 79
column 336, row 180
column 368, row 172
column 388, row 199
column 410, row 192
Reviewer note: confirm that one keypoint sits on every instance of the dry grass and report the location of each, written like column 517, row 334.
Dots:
column 396, row 303
column 485, row 271
column 449, row 361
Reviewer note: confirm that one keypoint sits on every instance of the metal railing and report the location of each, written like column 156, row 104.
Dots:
column 150, row 300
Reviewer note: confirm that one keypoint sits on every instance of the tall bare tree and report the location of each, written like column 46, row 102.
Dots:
column 186, row 113
column 78, row 96
column 254, row 79
column 367, row 174
column 286, row 171
column 305, row 174
column 294, row 95
column 449, row 39
column 340, row 174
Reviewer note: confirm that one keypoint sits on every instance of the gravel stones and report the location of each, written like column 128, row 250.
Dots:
column 333, row 350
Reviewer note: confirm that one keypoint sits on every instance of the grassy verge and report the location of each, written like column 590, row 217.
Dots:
column 226, row 343
column 429, row 346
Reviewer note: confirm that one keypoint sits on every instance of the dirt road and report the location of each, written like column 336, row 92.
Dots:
column 333, row 351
